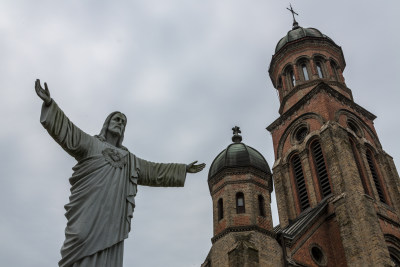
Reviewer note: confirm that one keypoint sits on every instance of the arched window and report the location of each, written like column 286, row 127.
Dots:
column 320, row 71
column 300, row 182
column 320, row 168
column 261, row 206
column 335, row 70
column 220, row 209
column 291, row 79
column 305, row 71
column 357, row 160
column 354, row 127
column 375, row 177
column 240, row 203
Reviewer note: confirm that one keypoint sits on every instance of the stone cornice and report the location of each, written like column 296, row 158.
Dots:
column 237, row 171
column 322, row 86
column 236, row 229
column 245, row 181
column 302, row 43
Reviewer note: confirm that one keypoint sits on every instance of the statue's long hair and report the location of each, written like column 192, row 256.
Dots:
column 103, row 133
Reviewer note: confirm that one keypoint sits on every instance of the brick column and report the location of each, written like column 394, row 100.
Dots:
column 389, row 178
column 331, row 74
column 284, row 194
column 314, row 72
column 363, row 155
column 394, row 180
column 340, row 74
column 296, row 74
column 358, row 222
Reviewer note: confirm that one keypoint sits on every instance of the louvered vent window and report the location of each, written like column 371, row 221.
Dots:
column 300, row 182
column 375, row 177
column 321, row 169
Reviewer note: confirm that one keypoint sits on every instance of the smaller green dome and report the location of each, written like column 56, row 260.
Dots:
column 238, row 154
column 297, row 33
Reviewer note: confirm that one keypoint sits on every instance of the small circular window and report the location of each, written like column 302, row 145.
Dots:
column 318, row 255
column 301, row 133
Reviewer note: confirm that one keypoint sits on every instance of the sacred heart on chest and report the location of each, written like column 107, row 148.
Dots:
column 115, row 158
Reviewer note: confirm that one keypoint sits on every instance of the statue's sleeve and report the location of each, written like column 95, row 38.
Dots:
column 72, row 139
column 161, row 174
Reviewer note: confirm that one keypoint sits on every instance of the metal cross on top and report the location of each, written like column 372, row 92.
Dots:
column 236, row 137
column 236, row 130
column 295, row 24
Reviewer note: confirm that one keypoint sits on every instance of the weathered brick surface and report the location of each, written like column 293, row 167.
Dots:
column 269, row 251
column 354, row 234
column 245, row 248
column 356, row 228
column 325, row 234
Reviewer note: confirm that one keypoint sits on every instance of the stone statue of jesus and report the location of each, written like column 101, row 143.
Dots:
column 103, row 185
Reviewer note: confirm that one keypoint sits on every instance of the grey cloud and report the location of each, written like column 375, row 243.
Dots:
column 184, row 73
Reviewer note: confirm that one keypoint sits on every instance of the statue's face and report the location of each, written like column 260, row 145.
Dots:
column 117, row 124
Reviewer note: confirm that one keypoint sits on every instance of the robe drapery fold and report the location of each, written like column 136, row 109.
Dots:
column 103, row 189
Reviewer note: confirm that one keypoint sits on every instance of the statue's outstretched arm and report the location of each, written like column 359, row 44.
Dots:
column 44, row 94
column 72, row 139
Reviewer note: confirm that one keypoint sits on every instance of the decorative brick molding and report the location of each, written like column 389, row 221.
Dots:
column 243, row 229
column 237, row 171
column 321, row 87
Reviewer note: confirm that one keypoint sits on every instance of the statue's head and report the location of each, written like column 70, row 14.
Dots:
column 115, row 124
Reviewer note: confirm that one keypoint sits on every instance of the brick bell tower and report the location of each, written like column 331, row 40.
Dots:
column 337, row 190
column 240, row 184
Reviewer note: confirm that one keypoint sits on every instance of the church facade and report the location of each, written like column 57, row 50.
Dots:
column 337, row 190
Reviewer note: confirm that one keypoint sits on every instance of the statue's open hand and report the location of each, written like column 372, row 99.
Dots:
column 44, row 94
column 193, row 167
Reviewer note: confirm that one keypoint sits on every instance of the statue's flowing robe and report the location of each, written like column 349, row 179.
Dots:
column 103, row 188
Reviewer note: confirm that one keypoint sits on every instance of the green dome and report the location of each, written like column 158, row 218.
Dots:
column 238, row 154
column 298, row 33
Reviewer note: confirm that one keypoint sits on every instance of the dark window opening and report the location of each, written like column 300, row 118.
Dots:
column 375, row 177
column 261, row 205
column 318, row 255
column 240, row 203
column 395, row 260
column 300, row 182
column 301, row 133
column 220, row 209
column 320, row 167
column 335, row 71
column 353, row 126
column 394, row 256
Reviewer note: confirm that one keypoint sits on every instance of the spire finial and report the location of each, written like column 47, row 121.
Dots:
column 295, row 24
column 236, row 137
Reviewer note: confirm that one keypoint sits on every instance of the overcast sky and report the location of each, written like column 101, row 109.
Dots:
column 184, row 73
